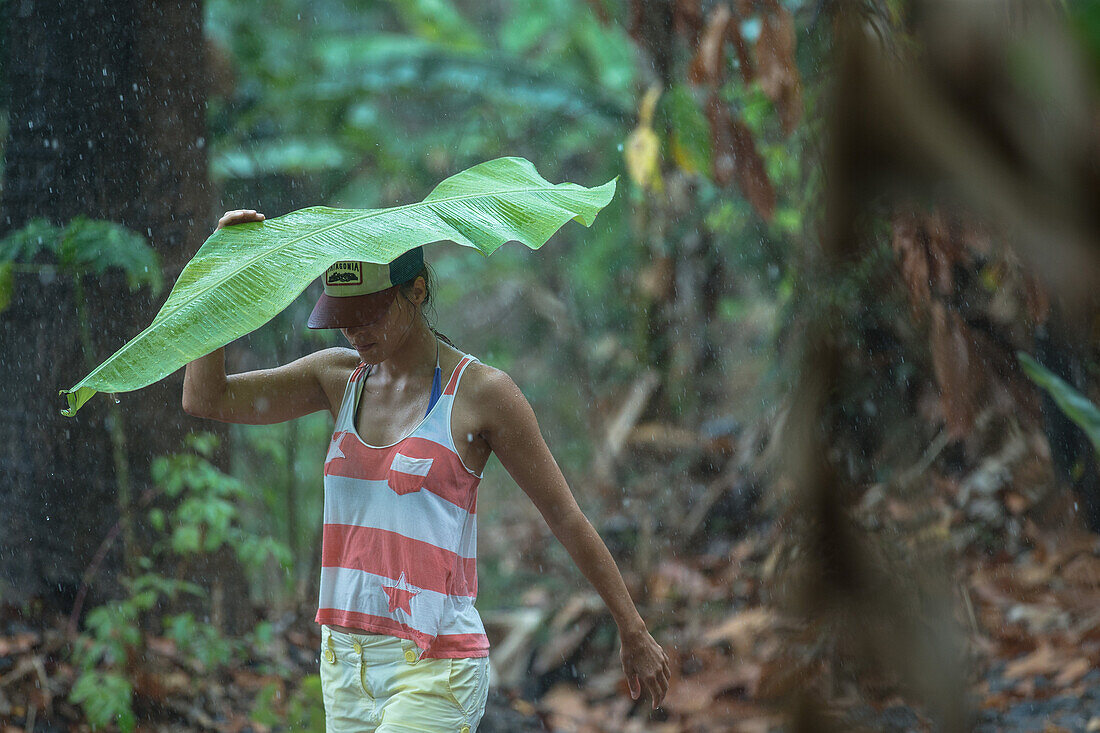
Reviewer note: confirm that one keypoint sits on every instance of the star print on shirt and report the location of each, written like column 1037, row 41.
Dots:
column 334, row 450
column 401, row 594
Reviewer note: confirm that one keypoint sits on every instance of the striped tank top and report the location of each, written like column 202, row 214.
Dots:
column 399, row 548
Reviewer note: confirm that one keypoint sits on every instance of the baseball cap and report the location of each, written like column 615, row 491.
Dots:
column 357, row 293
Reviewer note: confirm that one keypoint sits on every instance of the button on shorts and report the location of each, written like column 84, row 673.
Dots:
column 378, row 683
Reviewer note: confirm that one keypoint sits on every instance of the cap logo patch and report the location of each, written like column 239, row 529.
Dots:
column 345, row 273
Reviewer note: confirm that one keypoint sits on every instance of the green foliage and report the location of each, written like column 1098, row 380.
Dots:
column 284, row 464
column 199, row 642
column 295, row 156
column 106, row 699
column 264, row 709
column 113, row 630
column 1076, row 406
column 7, row 284
column 335, row 94
column 204, row 518
column 112, row 637
column 1084, row 20
column 82, row 247
column 262, row 634
column 305, row 709
column 207, row 516
column 438, row 20
column 565, row 35
column 689, row 130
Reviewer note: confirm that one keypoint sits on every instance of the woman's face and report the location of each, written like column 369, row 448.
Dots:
column 377, row 341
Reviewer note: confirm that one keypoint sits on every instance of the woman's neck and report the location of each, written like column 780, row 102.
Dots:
column 416, row 353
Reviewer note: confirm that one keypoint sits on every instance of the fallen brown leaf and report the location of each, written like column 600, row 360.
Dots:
column 1072, row 672
column 18, row 644
column 1047, row 660
column 741, row 629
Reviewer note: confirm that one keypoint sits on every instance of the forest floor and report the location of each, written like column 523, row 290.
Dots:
column 1026, row 600
column 1035, row 661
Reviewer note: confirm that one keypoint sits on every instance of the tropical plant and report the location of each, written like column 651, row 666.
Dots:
column 106, row 650
column 82, row 247
column 202, row 520
column 206, row 517
column 244, row 275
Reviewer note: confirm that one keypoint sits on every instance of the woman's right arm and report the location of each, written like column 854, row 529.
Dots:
column 260, row 397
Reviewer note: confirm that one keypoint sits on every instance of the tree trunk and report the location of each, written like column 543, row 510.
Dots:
column 108, row 120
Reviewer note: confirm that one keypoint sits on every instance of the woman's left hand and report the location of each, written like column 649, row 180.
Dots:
column 646, row 665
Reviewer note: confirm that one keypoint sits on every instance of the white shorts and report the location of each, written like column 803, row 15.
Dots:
column 376, row 683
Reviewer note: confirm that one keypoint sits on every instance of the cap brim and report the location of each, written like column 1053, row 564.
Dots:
column 355, row 310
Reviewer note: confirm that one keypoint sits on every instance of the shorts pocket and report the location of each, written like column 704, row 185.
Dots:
column 345, row 694
column 468, row 682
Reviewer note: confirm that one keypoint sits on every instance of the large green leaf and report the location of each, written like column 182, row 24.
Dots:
column 244, row 275
column 1075, row 405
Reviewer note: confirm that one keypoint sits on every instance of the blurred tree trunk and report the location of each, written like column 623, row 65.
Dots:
column 680, row 284
column 107, row 119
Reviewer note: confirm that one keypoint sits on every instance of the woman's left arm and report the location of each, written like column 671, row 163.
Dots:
column 512, row 431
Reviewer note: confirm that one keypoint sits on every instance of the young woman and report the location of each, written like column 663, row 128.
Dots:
column 416, row 419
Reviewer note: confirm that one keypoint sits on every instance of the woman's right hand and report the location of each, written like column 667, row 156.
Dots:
column 239, row 216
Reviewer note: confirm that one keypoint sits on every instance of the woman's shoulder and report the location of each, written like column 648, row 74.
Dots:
column 487, row 399
column 338, row 358
column 475, row 372
column 333, row 367
column 486, row 385
column 449, row 358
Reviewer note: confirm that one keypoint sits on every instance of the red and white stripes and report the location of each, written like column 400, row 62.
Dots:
column 399, row 551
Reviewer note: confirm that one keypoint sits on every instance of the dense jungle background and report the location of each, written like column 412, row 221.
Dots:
column 820, row 374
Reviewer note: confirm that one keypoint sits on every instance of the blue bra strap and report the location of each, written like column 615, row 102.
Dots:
column 437, row 389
